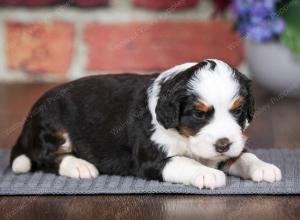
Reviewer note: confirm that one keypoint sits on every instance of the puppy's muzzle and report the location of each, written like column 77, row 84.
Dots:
column 222, row 145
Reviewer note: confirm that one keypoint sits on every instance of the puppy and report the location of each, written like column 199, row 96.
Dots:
column 185, row 125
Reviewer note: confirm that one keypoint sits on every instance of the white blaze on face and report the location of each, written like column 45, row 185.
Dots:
column 217, row 88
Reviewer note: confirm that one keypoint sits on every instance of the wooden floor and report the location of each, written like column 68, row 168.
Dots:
column 276, row 125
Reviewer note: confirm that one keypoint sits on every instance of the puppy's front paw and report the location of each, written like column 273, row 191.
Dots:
column 210, row 178
column 74, row 167
column 265, row 172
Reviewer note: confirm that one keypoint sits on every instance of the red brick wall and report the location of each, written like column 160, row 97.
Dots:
column 39, row 48
column 165, row 4
column 157, row 46
column 60, row 47
column 38, row 3
column 152, row 4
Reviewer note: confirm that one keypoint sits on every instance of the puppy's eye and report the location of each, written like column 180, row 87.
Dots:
column 198, row 114
column 237, row 112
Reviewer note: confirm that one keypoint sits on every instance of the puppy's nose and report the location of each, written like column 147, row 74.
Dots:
column 222, row 145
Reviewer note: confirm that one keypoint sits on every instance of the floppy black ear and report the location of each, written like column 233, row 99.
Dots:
column 170, row 97
column 167, row 111
column 172, row 94
column 247, row 91
column 251, row 103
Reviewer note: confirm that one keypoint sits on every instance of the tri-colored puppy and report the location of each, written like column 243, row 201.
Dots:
column 184, row 125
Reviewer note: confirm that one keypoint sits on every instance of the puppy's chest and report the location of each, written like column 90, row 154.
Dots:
column 170, row 142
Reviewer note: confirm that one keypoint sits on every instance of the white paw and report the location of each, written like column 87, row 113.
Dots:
column 265, row 172
column 21, row 164
column 210, row 178
column 74, row 167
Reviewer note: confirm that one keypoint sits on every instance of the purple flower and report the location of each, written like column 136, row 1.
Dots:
column 242, row 6
column 278, row 26
column 259, row 33
column 257, row 19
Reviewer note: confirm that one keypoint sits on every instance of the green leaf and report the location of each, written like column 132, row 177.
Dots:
column 290, row 11
column 291, row 38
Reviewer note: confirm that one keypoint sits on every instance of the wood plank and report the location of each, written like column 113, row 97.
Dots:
column 150, row 207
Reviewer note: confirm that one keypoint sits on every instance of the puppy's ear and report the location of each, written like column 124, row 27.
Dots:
column 170, row 98
column 246, row 90
column 167, row 111
column 172, row 93
column 251, row 103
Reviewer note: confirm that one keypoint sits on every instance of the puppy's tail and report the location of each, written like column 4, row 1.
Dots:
column 19, row 161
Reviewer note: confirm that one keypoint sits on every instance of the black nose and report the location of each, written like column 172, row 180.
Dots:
column 222, row 145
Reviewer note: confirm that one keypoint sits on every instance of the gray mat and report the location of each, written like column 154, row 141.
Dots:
column 39, row 183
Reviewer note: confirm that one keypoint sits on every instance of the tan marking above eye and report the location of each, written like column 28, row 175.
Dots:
column 237, row 102
column 202, row 107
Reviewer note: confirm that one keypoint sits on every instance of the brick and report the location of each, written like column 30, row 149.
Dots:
column 29, row 2
column 39, row 48
column 37, row 3
column 220, row 6
column 159, row 45
column 90, row 3
column 166, row 4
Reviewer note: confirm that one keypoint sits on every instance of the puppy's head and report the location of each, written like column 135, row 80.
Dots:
column 209, row 103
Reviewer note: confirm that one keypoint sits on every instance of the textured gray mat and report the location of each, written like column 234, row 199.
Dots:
column 41, row 183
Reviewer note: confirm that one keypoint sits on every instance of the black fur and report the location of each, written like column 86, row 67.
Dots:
column 246, row 111
column 108, row 121
column 172, row 94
